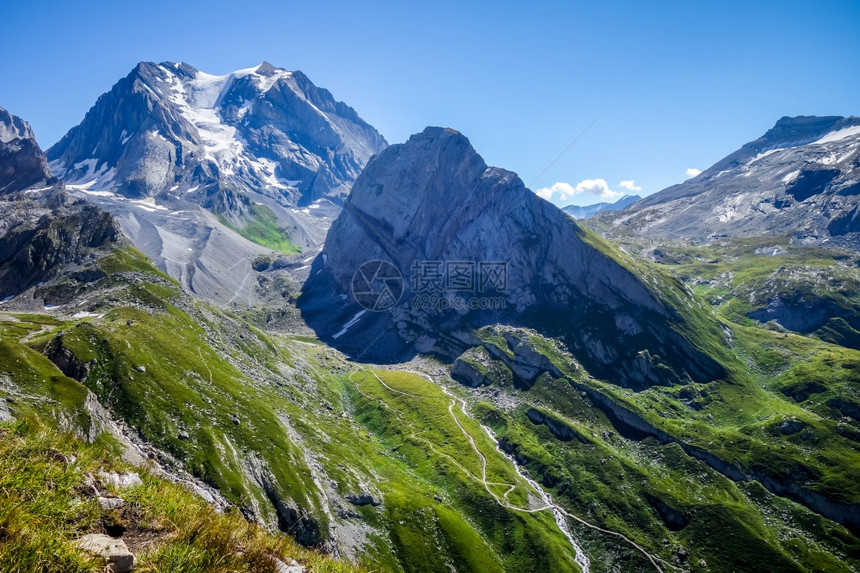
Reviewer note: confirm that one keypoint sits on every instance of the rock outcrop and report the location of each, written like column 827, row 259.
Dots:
column 363, row 498
column 39, row 240
column 557, row 428
column 42, row 229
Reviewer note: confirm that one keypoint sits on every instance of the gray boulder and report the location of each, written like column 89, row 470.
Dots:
column 115, row 551
column 363, row 498
column 120, row 480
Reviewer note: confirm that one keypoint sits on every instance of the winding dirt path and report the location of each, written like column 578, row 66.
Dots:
column 558, row 511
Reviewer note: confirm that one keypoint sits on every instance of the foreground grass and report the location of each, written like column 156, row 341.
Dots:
column 44, row 508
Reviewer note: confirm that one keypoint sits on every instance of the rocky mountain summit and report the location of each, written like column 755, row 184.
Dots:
column 802, row 177
column 22, row 163
column 206, row 173
column 433, row 201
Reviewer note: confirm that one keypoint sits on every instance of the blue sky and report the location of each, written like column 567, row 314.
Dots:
column 672, row 85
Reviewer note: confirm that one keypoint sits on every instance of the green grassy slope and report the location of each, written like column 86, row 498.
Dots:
column 412, row 419
column 257, row 415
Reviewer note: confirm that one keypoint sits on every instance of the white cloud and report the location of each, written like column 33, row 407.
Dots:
column 559, row 189
column 692, row 172
column 564, row 191
column 545, row 193
column 597, row 187
column 630, row 185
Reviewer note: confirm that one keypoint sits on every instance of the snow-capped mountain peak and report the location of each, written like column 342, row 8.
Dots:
column 259, row 129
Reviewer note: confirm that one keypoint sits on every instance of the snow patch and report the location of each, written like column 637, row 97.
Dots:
column 101, row 179
column 839, row 134
column 148, row 204
column 78, row 315
column 765, row 154
column 791, row 177
column 93, row 193
column 351, row 322
column 265, row 83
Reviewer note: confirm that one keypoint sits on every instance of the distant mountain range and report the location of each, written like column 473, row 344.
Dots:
column 586, row 211
column 802, row 178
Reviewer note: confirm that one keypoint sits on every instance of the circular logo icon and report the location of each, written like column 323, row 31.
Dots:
column 377, row 285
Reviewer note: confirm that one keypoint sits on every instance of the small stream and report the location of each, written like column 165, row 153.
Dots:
column 560, row 520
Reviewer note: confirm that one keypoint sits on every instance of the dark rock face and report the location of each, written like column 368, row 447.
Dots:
column 65, row 360
column 557, row 428
column 801, row 177
column 845, row 224
column 476, row 367
column 363, row 498
column 674, row 519
column 434, row 199
column 22, row 163
column 291, row 519
column 798, row 315
column 811, row 182
column 41, row 229
column 37, row 241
